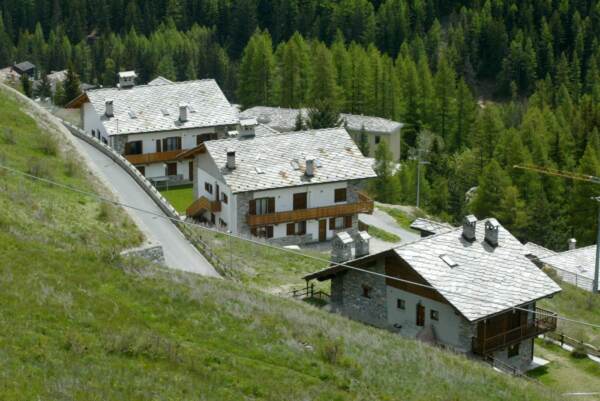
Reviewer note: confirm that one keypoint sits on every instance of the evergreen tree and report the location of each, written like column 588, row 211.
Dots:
column 323, row 84
column 294, row 72
column 363, row 141
column 299, row 124
column 583, row 207
column 492, row 189
column 445, row 83
column 109, row 78
column 385, row 186
column 323, row 115
column 26, row 85
column 166, row 68
column 464, row 117
column 43, row 89
column 59, row 95
column 72, row 85
column 257, row 73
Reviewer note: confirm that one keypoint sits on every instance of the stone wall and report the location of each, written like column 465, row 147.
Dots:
column 347, row 296
column 520, row 361
column 117, row 142
column 292, row 240
column 243, row 206
column 152, row 252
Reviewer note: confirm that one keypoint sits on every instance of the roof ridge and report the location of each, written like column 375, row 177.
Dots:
column 147, row 85
column 569, row 251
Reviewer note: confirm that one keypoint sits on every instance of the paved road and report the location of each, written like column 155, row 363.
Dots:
column 179, row 253
column 386, row 222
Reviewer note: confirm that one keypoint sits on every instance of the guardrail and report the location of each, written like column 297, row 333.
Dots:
column 146, row 185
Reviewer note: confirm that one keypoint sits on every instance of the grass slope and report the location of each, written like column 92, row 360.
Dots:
column 383, row 235
column 180, row 197
column 78, row 322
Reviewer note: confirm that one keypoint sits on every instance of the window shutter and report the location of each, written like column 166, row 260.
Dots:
column 348, row 221
column 158, row 147
column 252, row 208
column 269, row 231
column 290, row 229
column 178, row 142
column 332, row 223
column 164, row 144
column 271, row 207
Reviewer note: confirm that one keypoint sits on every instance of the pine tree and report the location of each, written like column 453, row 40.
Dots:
column 59, row 98
column 299, row 125
column 493, row 185
column 385, row 185
column 583, row 207
column 43, row 89
column 465, row 117
column 324, row 114
column 166, row 68
column 323, row 84
column 72, row 85
column 294, row 72
column 26, row 85
column 445, row 106
column 6, row 45
column 109, row 77
column 257, row 73
column 363, row 141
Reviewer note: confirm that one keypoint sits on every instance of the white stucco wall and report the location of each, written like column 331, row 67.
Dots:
column 91, row 121
column 393, row 139
column 319, row 195
column 447, row 328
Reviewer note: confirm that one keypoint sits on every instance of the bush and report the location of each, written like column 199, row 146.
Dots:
column 579, row 352
column 8, row 136
column 39, row 168
column 72, row 167
column 48, row 145
column 107, row 212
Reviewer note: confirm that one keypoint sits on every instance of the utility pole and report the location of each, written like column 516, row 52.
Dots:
column 419, row 160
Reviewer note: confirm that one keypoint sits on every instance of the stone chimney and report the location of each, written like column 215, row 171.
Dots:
column 230, row 159
column 247, row 128
column 572, row 244
column 310, row 166
column 341, row 247
column 469, row 226
column 361, row 243
column 183, row 112
column 127, row 79
column 109, row 109
column 491, row 232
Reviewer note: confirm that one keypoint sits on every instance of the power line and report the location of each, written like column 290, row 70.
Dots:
column 327, row 261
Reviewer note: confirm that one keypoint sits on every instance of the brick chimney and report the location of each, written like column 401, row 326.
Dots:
column 469, row 226
column 491, row 232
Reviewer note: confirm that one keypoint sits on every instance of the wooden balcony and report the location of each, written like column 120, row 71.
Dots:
column 364, row 205
column 158, row 157
column 201, row 205
column 543, row 322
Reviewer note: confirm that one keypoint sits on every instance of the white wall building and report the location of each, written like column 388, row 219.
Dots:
column 152, row 124
column 301, row 187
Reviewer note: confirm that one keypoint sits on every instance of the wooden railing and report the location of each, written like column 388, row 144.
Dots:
column 364, row 205
column 201, row 204
column 543, row 322
column 147, row 158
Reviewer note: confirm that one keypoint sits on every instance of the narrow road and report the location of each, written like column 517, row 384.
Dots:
column 179, row 253
column 384, row 221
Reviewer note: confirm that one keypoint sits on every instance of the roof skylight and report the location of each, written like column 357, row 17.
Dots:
column 448, row 260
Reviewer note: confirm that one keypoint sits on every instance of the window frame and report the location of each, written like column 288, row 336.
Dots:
column 434, row 315
column 513, row 350
column 400, row 304
column 225, row 198
column 208, row 187
column 171, row 143
column 134, row 144
column 340, row 195
column 366, row 291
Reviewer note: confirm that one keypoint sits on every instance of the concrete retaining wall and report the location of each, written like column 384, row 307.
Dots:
column 156, row 196
column 151, row 252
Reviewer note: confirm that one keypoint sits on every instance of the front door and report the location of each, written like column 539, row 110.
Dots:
column 191, row 172
column 322, row 230
column 420, row 315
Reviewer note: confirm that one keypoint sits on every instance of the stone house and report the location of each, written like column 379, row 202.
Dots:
column 291, row 188
column 472, row 290
column 375, row 128
column 152, row 124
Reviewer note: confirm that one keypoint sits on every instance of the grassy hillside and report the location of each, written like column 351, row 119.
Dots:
column 78, row 322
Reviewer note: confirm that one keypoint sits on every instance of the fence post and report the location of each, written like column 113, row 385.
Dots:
column 562, row 340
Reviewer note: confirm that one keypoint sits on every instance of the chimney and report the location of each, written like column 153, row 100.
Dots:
column 127, row 79
column 183, row 112
column 491, row 232
column 469, row 225
column 341, row 247
column 231, row 159
column 247, row 128
column 109, row 109
column 361, row 243
column 572, row 244
column 310, row 166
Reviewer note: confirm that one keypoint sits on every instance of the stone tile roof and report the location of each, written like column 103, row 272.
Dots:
column 151, row 108
column 486, row 280
column 284, row 119
column 430, row 226
column 24, row 66
column 579, row 261
column 482, row 280
column 538, row 251
column 265, row 163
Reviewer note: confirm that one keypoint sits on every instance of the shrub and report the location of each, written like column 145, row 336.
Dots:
column 39, row 168
column 107, row 212
column 48, row 145
column 579, row 352
column 72, row 167
column 8, row 136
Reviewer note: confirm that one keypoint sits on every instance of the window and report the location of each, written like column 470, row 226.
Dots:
column 204, row 137
column 340, row 195
column 222, row 222
column 170, row 144
column 262, row 206
column 158, row 146
column 296, row 228
column 225, row 198
column 208, row 187
column 171, row 169
column 400, row 304
column 339, row 223
column 212, row 218
column 366, row 291
column 513, row 350
column 300, row 201
column 377, row 139
column 434, row 315
column 133, row 148
column 263, row 231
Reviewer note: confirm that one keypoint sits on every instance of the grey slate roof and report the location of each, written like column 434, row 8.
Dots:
column 24, row 66
column 267, row 161
column 485, row 280
column 430, row 226
column 284, row 119
column 538, row 251
column 140, row 109
column 579, row 261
